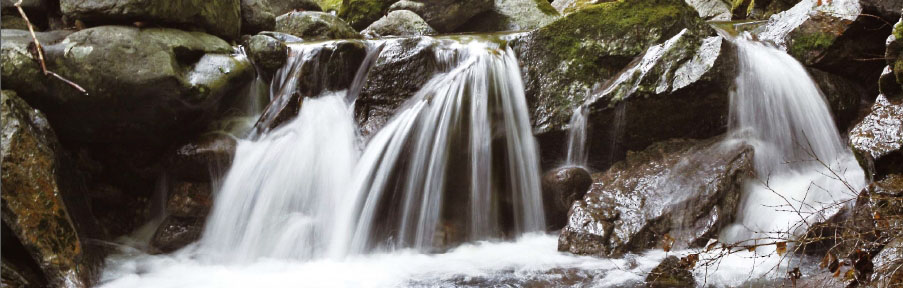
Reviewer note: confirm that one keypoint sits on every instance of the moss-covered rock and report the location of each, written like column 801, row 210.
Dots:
column 266, row 52
column 260, row 15
column 34, row 211
column 399, row 23
column 361, row 13
column 142, row 85
column 671, row 273
column 445, row 15
column 512, row 15
column 571, row 6
column 221, row 17
column 330, row 5
column 315, row 26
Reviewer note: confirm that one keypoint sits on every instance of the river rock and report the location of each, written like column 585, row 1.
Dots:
column 891, row 82
column 34, row 212
column 177, row 232
column 184, row 76
column 332, row 6
column 203, row 158
column 221, row 17
column 759, row 9
column 877, row 141
column 575, row 59
column 361, row 13
column 315, row 26
column 686, row 189
column 833, row 36
column 444, row 15
column 512, row 15
column 266, row 52
column 190, row 200
column 671, row 273
column 260, row 15
column 560, row 188
column 399, row 23
column 714, row 10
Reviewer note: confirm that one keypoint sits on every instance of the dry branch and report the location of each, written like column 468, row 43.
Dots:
column 40, row 51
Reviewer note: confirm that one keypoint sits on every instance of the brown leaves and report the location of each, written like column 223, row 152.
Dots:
column 690, row 260
column 667, row 242
column 781, row 248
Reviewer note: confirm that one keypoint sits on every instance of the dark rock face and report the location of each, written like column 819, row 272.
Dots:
column 37, row 229
column 887, row 9
column 195, row 161
column 560, row 188
column 266, row 52
column 315, row 26
column 177, row 232
column 183, row 79
column 877, row 141
column 687, row 189
column 444, row 15
column 221, row 17
column 843, row 95
column 399, row 23
column 671, row 273
column 190, row 200
column 891, row 82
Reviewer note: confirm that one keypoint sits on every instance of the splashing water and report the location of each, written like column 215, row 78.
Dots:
column 802, row 165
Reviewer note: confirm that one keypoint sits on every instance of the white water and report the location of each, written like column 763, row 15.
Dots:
column 802, row 164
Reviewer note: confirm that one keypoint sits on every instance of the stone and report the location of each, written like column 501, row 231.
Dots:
column 713, row 10
column 686, row 189
column 512, row 15
column 176, row 232
column 13, row 22
column 361, row 13
column 34, row 212
column 877, row 140
column 560, row 188
column 671, row 273
column 190, row 200
column 444, row 15
column 315, row 26
column 221, row 17
column 183, row 79
column 266, row 52
column 202, row 158
column 398, row 23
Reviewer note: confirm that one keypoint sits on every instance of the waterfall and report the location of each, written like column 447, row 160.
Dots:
column 457, row 163
column 801, row 161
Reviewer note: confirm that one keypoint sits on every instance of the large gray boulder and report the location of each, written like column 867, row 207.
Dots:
column 877, row 141
column 221, row 17
column 512, row 15
column 315, row 26
column 444, row 15
column 37, row 228
column 260, row 15
column 399, row 23
column 142, row 85
column 687, row 189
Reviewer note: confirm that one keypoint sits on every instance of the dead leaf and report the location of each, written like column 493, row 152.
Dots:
column 781, row 248
column 712, row 244
column 667, row 242
column 690, row 260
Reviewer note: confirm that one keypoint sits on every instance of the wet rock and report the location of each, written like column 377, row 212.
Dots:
column 887, row 9
column 260, row 15
column 266, row 52
column 877, row 141
column 13, row 22
column 184, row 78
column 202, row 158
column 889, row 265
column 570, row 6
column 759, row 9
column 190, row 200
column 671, row 273
column 890, row 83
column 399, row 23
column 329, row 5
column 177, row 232
column 512, row 15
column 560, row 188
column 844, row 96
column 714, row 10
column 222, row 17
column 361, row 13
column 315, row 26
column 686, row 189
column 34, row 211
column 444, row 15
column 833, row 37
column 579, row 55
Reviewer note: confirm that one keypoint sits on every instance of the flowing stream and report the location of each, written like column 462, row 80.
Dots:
column 447, row 193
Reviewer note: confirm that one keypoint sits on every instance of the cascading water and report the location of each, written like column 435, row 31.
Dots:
column 802, row 164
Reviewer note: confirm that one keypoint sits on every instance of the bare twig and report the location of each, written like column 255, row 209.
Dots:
column 40, row 50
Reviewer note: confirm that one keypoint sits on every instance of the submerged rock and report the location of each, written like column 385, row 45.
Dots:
column 671, row 273
column 399, row 23
column 35, row 217
column 685, row 189
column 221, row 17
column 177, row 232
column 877, row 141
column 315, row 26
column 444, row 15
column 560, row 188
column 512, row 15
column 182, row 80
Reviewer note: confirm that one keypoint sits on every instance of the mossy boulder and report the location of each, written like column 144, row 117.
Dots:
column 260, row 15
column 148, row 86
column 399, row 23
column 329, row 5
column 266, row 52
column 361, row 13
column 37, row 229
column 891, row 82
column 315, row 26
column 445, row 15
column 759, row 9
column 221, row 17
column 512, row 15
column 632, row 206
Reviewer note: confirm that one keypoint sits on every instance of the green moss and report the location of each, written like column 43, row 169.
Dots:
column 806, row 43
column 898, row 30
column 546, row 7
column 361, row 13
column 330, row 5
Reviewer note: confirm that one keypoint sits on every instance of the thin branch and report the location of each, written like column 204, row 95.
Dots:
column 40, row 50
